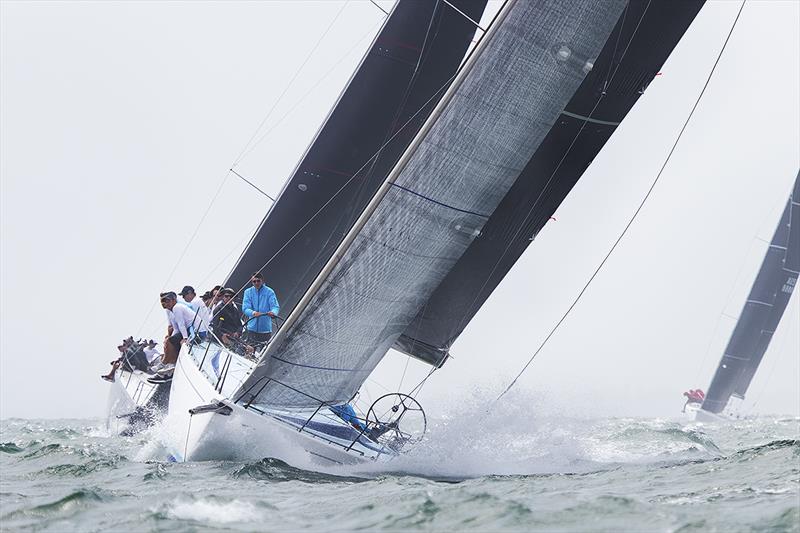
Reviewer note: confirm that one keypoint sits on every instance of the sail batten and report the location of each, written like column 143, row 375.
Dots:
column 469, row 154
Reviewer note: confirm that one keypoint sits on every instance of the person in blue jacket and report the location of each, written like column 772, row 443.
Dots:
column 259, row 305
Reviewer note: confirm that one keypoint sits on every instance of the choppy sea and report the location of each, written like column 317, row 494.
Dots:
column 551, row 473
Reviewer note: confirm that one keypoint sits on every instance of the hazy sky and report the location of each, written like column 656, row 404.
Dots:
column 119, row 120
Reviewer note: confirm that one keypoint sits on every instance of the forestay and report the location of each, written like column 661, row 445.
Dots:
column 486, row 129
column 762, row 311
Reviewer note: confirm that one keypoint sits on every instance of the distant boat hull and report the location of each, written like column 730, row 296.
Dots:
column 229, row 431
column 698, row 414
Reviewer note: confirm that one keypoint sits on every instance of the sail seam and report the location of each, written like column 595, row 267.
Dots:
column 729, row 356
column 437, row 202
column 759, row 302
column 319, row 367
column 589, row 119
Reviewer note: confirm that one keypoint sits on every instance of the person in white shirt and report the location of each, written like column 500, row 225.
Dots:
column 202, row 312
column 180, row 317
column 151, row 351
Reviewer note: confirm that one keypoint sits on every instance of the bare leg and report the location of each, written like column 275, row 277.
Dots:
column 110, row 375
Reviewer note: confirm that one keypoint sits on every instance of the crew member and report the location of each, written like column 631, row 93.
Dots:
column 259, row 305
column 201, row 310
column 180, row 319
column 227, row 322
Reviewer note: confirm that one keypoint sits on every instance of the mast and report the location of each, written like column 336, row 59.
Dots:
column 762, row 310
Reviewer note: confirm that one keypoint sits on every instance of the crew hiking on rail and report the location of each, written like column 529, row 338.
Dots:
column 214, row 316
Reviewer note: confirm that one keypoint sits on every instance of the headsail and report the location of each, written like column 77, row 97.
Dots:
column 436, row 201
column 403, row 75
column 762, row 311
column 640, row 43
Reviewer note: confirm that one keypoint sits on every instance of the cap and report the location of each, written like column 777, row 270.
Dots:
column 227, row 291
column 186, row 290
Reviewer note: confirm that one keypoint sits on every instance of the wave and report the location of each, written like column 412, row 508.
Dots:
column 270, row 469
column 217, row 511
column 82, row 469
column 67, row 505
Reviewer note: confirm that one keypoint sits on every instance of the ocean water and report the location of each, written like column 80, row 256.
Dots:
column 472, row 473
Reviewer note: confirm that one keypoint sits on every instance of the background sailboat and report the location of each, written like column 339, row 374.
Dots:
column 762, row 312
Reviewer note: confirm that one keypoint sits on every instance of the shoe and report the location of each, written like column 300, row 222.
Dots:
column 166, row 369
column 107, row 378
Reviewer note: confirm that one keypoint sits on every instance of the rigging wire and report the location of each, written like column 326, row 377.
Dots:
column 272, row 128
column 376, row 4
column 636, row 212
column 246, row 151
column 186, row 248
column 238, row 158
column 253, row 185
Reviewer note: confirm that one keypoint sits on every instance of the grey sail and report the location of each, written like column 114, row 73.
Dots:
column 639, row 45
column 436, row 201
column 762, row 311
column 398, row 83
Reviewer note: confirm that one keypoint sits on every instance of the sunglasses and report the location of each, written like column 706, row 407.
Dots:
column 257, row 281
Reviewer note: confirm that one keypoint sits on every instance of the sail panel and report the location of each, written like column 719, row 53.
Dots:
column 439, row 201
column 793, row 251
column 639, row 45
column 759, row 318
column 397, row 85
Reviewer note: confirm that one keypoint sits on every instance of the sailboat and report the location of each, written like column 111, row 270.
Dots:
column 432, row 174
column 759, row 318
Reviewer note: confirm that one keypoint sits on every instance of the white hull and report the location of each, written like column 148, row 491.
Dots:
column 128, row 395
column 248, row 434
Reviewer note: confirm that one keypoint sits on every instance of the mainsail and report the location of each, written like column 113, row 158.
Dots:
column 437, row 200
column 398, row 83
column 762, row 311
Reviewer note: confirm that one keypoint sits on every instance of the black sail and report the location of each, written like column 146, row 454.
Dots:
column 639, row 45
column 762, row 311
column 398, row 83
